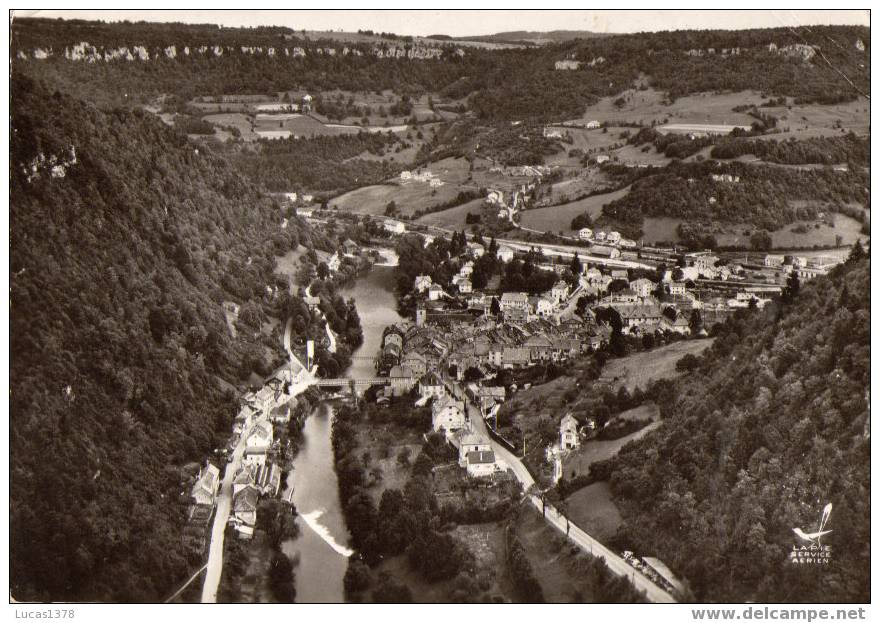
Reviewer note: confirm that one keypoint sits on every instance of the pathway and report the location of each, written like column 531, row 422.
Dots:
column 615, row 563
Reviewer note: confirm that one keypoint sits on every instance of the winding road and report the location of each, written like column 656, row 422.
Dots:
column 615, row 563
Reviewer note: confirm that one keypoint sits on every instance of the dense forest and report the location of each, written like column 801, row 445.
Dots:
column 125, row 240
column 499, row 84
column 761, row 197
column 769, row 426
column 849, row 149
column 323, row 163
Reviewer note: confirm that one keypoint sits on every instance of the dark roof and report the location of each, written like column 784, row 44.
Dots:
column 481, row 456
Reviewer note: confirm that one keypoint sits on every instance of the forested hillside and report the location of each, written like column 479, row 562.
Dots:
column 806, row 64
column 125, row 239
column 762, row 196
column 769, row 427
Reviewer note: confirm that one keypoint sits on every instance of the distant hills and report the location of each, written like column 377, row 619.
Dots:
column 533, row 37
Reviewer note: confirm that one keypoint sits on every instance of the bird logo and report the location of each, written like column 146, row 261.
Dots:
column 816, row 537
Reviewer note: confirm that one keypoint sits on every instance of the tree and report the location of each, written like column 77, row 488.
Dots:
column 761, row 241
column 495, row 307
column 323, row 271
column 357, row 579
column 856, row 253
column 576, row 266
column 696, row 321
column 792, row 288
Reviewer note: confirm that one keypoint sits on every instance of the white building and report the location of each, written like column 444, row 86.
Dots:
column 642, row 287
column 395, row 227
column 448, row 414
column 204, row 490
column 471, row 442
column 568, row 433
column 481, row 464
column 422, row 283
column 505, row 254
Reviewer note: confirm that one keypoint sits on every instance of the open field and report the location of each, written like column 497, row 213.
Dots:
column 409, row 196
column 579, row 461
column 639, row 369
column 593, row 510
column 558, row 218
column 717, row 108
column 239, row 121
column 453, row 218
column 846, row 227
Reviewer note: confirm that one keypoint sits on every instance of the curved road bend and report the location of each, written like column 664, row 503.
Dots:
column 615, row 563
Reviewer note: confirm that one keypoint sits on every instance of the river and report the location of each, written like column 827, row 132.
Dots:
column 322, row 546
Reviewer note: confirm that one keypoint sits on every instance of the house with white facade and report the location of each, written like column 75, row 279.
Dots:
column 481, row 464
column 568, row 433
column 430, row 385
column 642, row 287
column 585, row 233
column 395, row 227
column 422, row 283
column 505, row 254
column 448, row 414
column 204, row 490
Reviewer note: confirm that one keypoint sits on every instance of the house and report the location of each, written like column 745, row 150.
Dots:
column 593, row 124
column 448, row 414
column 568, row 433
column 603, row 251
column 593, row 275
column 431, row 385
column 395, row 227
column 476, row 249
column 401, row 379
column 481, row 464
column 422, row 283
column 773, row 261
column 602, row 158
column 261, row 436
column 613, row 237
column 505, row 254
column 677, row 288
column 638, row 316
column 539, row 346
column 625, row 296
column 512, row 357
column 542, row 306
column 313, row 302
column 466, row 269
column 559, row 291
column 470, row 442
column 679, row 325
column 465, row 287
column 334, row 262
column 258, row 444
column 244, row 477
column 642, row 287
column 416, row 362
column 514, row 300
column 244, row 509
column 619, row 274
column 205, row 488
column 704, row 262
column 435, row 292
column 585, row 233
column 349, row 246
